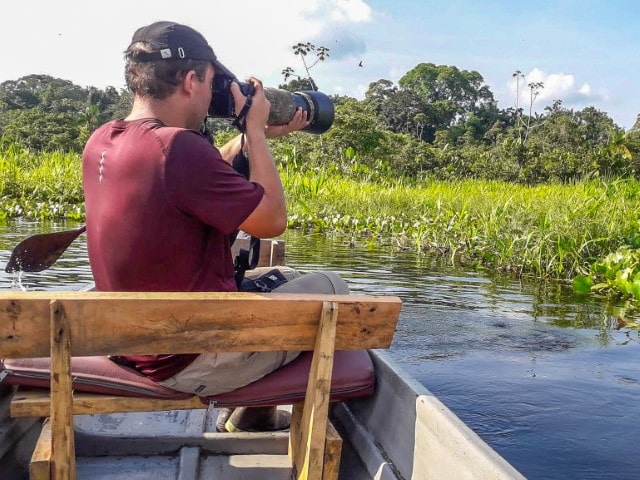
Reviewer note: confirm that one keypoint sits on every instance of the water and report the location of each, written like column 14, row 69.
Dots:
column 547, row 378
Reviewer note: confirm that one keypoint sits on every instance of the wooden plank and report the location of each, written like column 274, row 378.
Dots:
column 333, row 444
column 40, row 464
column 37, row 403
column 191, row 322
column 276, row 253
column 63, row 460
column 309, row 458
column 294, row 431
column 332, row 452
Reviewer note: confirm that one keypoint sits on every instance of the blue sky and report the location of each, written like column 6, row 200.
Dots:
column 585, row 52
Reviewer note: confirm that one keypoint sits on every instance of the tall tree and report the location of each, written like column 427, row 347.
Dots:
column 304, row 82
column 445, row 95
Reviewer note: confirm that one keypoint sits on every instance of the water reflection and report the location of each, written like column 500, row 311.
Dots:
column 548, row 378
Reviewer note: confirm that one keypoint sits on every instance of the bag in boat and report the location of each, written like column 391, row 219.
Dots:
column 264, row 283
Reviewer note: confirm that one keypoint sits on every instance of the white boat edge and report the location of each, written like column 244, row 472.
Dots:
column 403, row 431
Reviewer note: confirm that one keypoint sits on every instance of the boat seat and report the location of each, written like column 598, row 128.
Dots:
column 353, row 376
column 89, row 374
column 335, row 330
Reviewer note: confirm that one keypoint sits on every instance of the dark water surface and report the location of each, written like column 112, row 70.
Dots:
column 547, row 378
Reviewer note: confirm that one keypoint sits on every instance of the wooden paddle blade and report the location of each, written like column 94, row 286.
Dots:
column 39, row 252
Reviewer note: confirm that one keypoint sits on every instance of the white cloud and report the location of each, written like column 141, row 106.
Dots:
column 255, row 39
column 329, row 23
column 555, row 86
column 585, row 90
column 355, row 11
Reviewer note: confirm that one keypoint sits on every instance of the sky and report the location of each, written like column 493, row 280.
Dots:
column 585, row 53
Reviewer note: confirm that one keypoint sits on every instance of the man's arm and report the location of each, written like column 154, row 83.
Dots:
column 269, row 218
column 230, row 149
column 299, row 121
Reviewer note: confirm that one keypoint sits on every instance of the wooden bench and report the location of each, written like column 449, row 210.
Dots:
column 61, row 324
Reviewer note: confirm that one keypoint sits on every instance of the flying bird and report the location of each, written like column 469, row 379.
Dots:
column 360, row 64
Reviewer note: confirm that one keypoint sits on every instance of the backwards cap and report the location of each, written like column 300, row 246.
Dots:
column 173, row 41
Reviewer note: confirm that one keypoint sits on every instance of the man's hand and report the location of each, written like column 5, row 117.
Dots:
column 258, row 112
column 298, row 122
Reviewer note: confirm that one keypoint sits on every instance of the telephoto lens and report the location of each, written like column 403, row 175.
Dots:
column 318, row 106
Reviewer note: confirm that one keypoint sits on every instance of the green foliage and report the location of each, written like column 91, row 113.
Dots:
column 40, row 186
column 304, row 82
column 39, row 130
column 48, row 114
column 617, row 274
column 431, row 162
column 545, row 231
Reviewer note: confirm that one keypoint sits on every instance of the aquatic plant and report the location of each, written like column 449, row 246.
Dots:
column 40, row 185
column 546, row 231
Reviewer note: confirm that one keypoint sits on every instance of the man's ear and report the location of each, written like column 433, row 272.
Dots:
column 188, row 80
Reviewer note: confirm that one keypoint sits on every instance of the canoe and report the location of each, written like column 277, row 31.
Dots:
column 402, row 431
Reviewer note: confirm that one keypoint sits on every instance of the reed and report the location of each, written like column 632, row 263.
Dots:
column 553, row 231
column 40, row 185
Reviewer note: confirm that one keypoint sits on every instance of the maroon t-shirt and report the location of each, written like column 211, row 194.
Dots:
column 160, row 205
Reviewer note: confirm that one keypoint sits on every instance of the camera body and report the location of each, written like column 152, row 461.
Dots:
column 222, row 105
column 319, row 107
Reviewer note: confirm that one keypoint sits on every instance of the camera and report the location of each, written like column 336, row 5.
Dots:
column 319, row 107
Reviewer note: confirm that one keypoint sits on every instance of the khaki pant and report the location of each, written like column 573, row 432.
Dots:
column 213, row 373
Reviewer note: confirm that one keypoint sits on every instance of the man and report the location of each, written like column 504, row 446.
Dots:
column 162, row 202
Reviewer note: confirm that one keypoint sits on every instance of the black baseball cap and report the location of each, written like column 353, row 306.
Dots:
column 173, row 41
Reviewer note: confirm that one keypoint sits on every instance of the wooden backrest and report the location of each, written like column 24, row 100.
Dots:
column 110, row 323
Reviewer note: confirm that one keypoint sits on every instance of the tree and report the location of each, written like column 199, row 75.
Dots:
column 39, row 130
column 534, row 91
column 356, row 127
column 304, row 82
column 401, row 111
column 43, row 99
column 449, row 97
column 420, row 120
column 379, row 93
column 43, row 91
column 299, row 84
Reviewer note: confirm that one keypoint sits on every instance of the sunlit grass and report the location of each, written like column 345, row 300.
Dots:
column 555, row 231
column 40, row 186
column 548, row 230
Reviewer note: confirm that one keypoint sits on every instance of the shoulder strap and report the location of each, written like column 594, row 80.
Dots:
column 246, row 259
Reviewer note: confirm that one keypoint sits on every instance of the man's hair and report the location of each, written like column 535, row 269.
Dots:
column 157, row 79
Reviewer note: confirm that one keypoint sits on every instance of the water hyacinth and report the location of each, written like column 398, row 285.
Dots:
column 617, row 274
column 548, row 231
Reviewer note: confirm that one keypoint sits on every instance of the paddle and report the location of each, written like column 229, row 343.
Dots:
column 39, row 252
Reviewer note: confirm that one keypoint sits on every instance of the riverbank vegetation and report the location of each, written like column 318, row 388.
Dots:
column 431, row 164
column 546, row 230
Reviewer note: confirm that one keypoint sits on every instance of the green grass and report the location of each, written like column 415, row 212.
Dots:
column 546, row 231
column 40, row 186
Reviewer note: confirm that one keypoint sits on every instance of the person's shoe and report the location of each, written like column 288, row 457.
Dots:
column 223, row 416
column 258, row 419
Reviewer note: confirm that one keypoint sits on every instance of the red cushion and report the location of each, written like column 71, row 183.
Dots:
column 353, row 376
column 91, row 375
